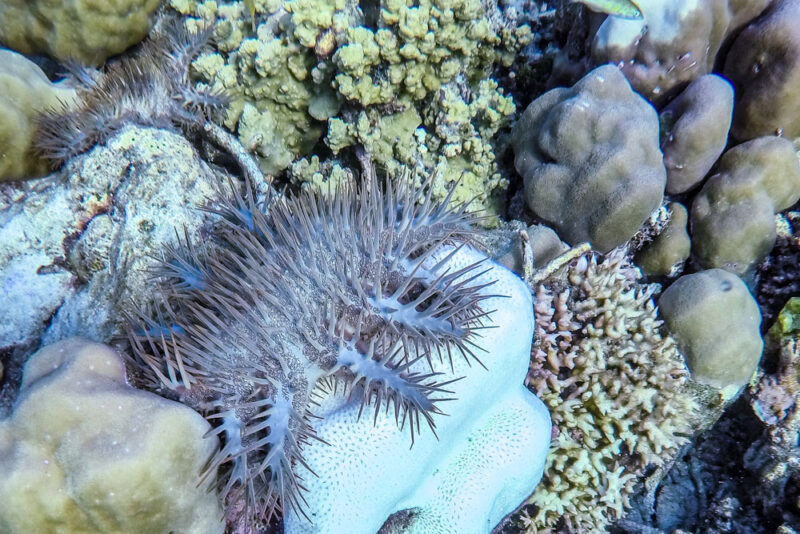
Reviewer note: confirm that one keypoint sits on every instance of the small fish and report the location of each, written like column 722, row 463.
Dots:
column 624, row 9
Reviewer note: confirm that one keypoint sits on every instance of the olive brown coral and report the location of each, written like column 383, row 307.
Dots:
column 25, row 91
column 733, row 216
column 764, row 67
column 591, row 160
column 694, row 131
column 79, row 30
column 716, row 322
column 85, row 452
column 339, row 288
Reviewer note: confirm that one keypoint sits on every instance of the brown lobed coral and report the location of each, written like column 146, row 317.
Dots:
column 616, row 387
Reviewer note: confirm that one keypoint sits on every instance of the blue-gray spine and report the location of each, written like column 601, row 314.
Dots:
column 312, row 293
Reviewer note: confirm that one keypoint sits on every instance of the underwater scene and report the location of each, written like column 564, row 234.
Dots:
column 399, row 266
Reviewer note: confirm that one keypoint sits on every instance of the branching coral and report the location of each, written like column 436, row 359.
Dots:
column 339, row 288
column 614, row 384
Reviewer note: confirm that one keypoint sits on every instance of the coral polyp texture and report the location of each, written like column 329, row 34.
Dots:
column 340, row 291
column 407, row 81
column 616, row 387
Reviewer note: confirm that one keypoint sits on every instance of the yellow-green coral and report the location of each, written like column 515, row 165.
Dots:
column 417, row 48
column 25, row 92
column 88, row 31
column 615, row 385
column 451, row 137
column 405, row 80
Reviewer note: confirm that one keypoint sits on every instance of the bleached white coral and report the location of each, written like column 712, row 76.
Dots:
column 488, row 457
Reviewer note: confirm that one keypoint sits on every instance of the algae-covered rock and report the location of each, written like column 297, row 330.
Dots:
column 764, row 66
column 86, row 31
column 670, row 248
column 675, row 41
column 590, row 158
column 694, row 131
column 716, row 322
column 84, row 452
column 733, row 215
column 75, row 247
column 24, row 92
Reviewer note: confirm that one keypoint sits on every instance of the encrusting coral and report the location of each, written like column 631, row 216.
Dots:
column 84, row 452
column 615, row 386
column 340, row 288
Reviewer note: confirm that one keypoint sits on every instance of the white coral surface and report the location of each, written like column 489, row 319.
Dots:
column 490, row 450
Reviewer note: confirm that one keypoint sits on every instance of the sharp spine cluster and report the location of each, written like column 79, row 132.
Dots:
column 151, row 88
column 350, row 288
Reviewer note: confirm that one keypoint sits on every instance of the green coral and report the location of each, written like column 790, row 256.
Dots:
column 271, row 75
column 451, row 136
column 406, row 80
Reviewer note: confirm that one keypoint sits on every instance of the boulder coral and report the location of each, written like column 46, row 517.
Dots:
column 25, row 92
column 716, row 322
column 694, row 131
column 85, row 31
column 488, row 457
column 732, row 218
column 617, row 389
column 590, row 159
column 669, row 250
column 84, row 452
column 675, row 42
column 764, row 66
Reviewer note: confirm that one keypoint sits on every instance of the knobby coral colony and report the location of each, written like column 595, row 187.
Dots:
column 320, row 290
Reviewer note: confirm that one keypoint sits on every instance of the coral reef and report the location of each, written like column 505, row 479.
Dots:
column 590, row 158
column 405, row 82
column 694, row 131
column 778, row 278
column 80, row 30
column 151, row 88
column 666, row 254
column 25, row 91
column 774, row 457
column 764, row 67
column 84, row 452
column 616, row 387
column 716, row 322
column 733, row 216
column 364, row 300
column 75, row 247
column 488, row 456
column 674, row 42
